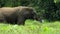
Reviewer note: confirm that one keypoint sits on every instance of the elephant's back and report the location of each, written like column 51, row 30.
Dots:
column 7, row 10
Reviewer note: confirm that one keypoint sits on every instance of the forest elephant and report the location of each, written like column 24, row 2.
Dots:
column 17, row 15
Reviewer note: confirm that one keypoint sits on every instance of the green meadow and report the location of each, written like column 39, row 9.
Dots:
column 31, row 27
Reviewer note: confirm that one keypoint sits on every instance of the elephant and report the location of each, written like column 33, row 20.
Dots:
column 17, row 15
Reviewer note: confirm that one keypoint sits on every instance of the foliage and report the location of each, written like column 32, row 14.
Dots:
column 31, row 27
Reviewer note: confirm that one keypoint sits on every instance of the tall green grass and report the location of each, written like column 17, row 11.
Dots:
column 31, row 27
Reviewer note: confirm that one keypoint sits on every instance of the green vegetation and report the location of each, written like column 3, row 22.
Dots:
column 31, row 27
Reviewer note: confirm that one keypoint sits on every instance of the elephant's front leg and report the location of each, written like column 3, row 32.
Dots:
column 21, row 21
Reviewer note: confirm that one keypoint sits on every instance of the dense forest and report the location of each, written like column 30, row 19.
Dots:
column 47, row 9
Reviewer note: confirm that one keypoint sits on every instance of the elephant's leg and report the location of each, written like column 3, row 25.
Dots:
column 9, row 20
column 2, row 19
column 21, row 21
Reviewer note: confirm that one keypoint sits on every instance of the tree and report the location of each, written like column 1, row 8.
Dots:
column 50, row 9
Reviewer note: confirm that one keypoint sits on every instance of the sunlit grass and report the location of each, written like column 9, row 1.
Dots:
column 31, row 27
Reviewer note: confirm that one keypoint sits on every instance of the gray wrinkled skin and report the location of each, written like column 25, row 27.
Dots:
column 17, row 15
